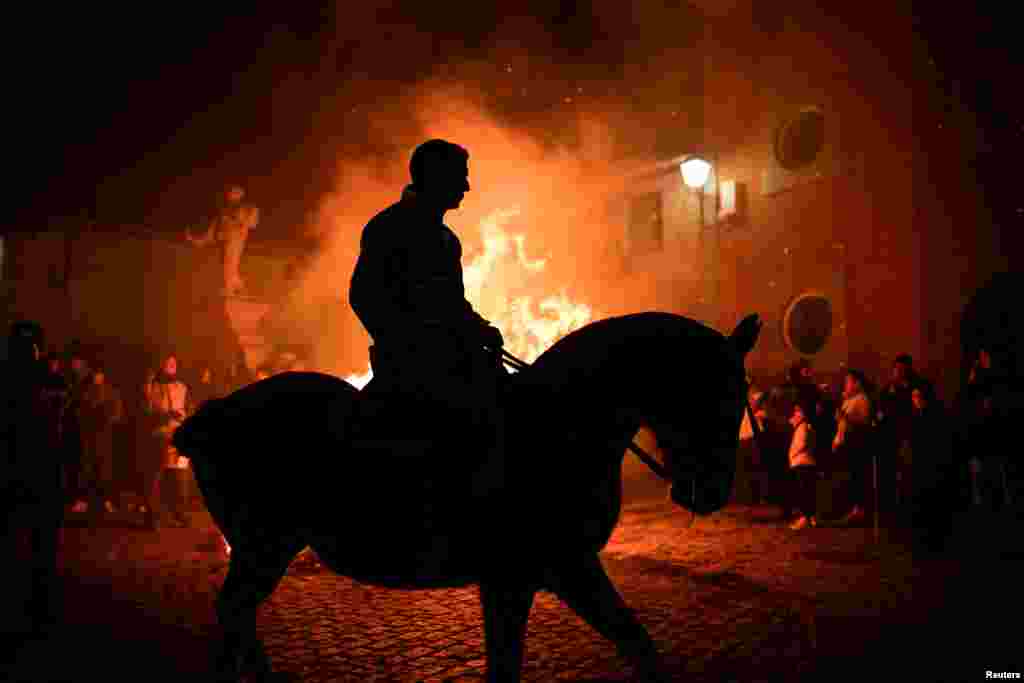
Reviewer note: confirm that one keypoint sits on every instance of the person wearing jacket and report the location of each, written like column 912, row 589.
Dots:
column 852, row 440
column 430, row 345
column 31, row 491
column 166, row 405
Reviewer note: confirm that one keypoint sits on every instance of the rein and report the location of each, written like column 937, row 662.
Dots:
column 645, row 457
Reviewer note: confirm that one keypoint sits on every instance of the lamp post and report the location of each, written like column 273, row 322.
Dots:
column 696, row 171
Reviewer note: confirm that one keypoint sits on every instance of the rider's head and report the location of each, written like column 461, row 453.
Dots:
column 440, row 173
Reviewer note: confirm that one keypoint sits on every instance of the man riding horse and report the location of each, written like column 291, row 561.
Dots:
column 430, row 347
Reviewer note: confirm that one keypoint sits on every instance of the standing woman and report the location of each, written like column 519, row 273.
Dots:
column 852, row 440
column 166, row 406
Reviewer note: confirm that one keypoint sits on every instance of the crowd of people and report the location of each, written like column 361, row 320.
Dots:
column 115, row 444
column 881, row 436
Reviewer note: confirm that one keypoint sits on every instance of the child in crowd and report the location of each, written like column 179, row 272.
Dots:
column 803, row 467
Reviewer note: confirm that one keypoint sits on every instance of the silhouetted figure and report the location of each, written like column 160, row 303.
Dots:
column 100, row 410
column 77, row 378
column 32, row 499
column 167, row 405
column 577, row 406
column 430, row 346
column 853, row 443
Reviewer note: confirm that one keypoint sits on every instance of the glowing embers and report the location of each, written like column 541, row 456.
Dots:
column 508, row 288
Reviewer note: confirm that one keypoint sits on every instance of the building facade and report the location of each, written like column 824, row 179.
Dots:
column 826, row 211
column 129, row 297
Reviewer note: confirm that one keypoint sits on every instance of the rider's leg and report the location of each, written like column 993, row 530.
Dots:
column 489, row 477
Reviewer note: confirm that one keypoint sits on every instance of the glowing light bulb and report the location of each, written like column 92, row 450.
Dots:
column 695, row 171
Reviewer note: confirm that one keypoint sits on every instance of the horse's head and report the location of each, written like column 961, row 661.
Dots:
column 697, row 418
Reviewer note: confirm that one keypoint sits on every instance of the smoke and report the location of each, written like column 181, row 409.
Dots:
column 553, row 162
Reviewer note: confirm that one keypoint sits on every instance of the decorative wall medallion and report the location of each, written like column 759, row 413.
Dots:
column 807, row 323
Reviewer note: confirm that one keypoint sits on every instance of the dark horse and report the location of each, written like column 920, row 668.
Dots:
column 283, row 465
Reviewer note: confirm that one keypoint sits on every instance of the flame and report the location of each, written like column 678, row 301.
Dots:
column 360, row 381
column 502, row 283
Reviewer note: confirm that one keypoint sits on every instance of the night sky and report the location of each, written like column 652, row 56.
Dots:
column 138, row 117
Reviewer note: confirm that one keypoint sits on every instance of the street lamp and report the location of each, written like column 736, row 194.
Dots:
column 696, row 170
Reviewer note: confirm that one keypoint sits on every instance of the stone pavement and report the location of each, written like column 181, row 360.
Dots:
column 735, row 597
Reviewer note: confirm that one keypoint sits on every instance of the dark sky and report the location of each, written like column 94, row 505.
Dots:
column 125, row 114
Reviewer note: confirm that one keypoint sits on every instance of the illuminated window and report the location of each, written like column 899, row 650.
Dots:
column 646, row 231
column 807, row 324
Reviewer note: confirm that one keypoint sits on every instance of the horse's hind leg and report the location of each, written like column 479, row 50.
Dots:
column 584, row 586
column 255, row 570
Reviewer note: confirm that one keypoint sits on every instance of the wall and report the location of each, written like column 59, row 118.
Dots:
column 128, row 298
column 869, row 223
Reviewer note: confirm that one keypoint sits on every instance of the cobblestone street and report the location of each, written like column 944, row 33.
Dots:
column 737, row 596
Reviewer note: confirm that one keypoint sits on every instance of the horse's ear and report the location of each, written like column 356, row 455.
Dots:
column 745, row 335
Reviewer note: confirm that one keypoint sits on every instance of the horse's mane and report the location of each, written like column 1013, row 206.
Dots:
column 597, row 342
column 661, row 351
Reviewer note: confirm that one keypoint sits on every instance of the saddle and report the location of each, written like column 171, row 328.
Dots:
column 421, row 448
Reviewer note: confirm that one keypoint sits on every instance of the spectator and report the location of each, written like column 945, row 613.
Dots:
column 100, row 411
column 803, row 467
column 205, row 389
column 166, row 404
column 31, row 496
column 852, row 441
column 776, row 439
column 896, row 411
column 975, row 407
column 71, row 438
column 748, row 458
column 989, row 426
column 812, row 397
column 929, row 435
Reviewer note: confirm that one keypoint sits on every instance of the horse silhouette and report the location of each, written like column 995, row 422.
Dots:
column 288, row 462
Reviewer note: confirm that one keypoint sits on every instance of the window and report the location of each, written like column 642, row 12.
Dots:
column 799, row 141
column 807, row 324
column 646, row 230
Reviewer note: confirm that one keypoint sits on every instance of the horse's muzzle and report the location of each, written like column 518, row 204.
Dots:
column 705, row 494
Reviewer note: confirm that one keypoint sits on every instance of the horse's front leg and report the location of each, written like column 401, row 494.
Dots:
column 257, row 566
column 506, row 606
column 583, row 585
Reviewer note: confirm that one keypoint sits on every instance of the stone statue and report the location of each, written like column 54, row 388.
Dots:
column 231, row 230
